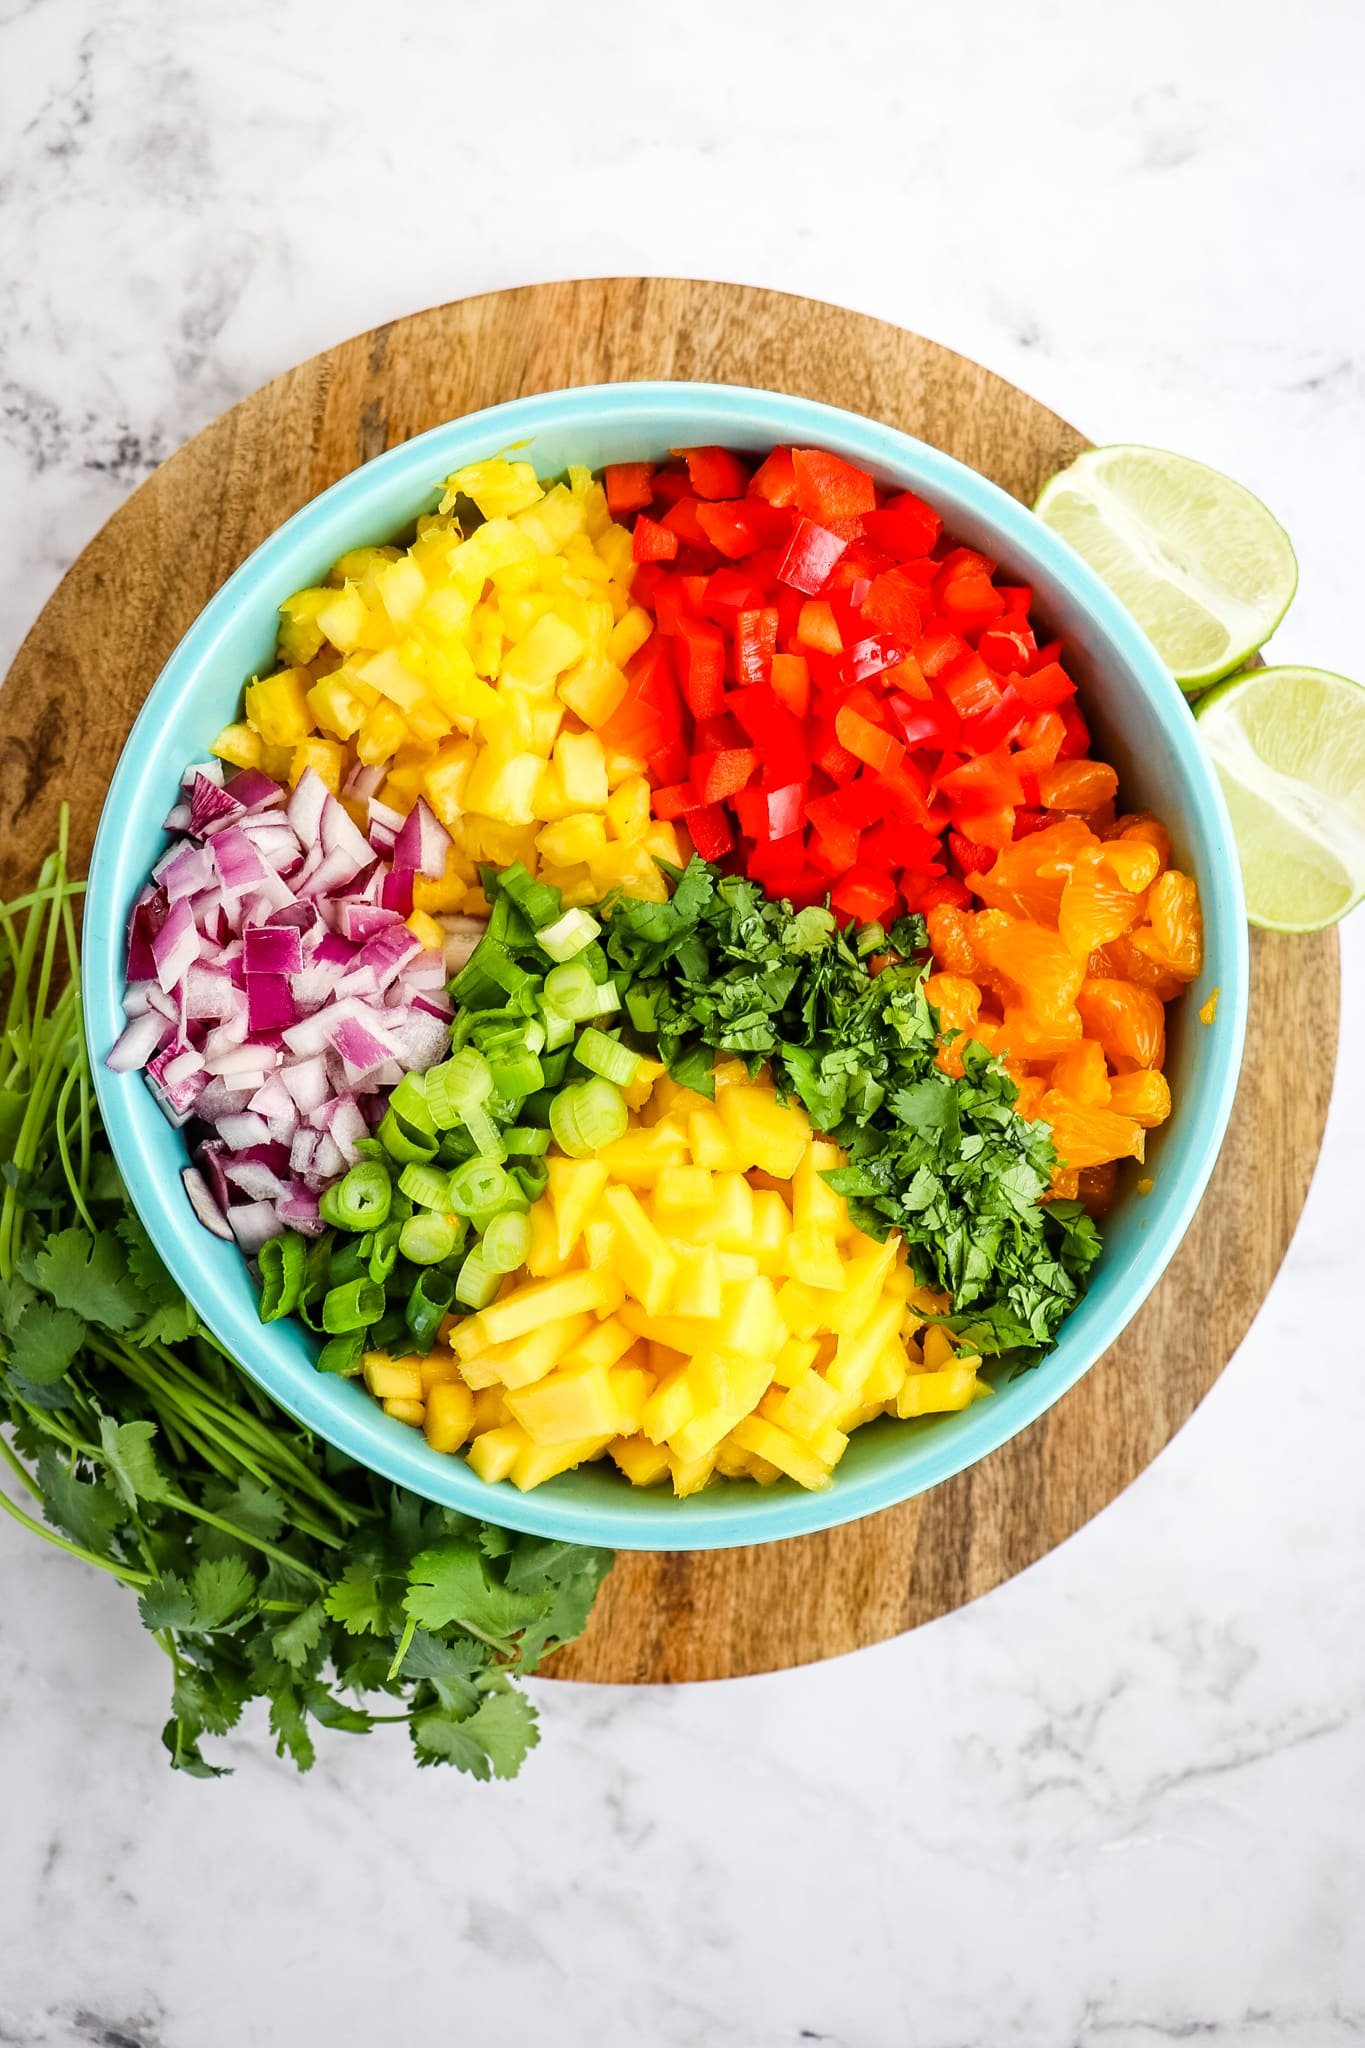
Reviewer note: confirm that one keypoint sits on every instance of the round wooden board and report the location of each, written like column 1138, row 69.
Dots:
column 99, row 643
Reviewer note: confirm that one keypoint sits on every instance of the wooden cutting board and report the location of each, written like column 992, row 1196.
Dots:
column 99, row 643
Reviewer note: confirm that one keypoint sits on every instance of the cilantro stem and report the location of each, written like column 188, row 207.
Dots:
column 280, row 1557
column 20, row 1469
column 59, row 1131
column 105, row 1564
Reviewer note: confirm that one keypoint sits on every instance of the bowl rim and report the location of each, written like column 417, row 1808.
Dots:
column 735, row 1516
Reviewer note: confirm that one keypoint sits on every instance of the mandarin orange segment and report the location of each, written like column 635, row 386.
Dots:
column 1120, row 960
column 1082, row 1074
column 1029, row 875
column 1066, row 1185
column 1143, row 829
column 949, row 939
column 1089, row 1137
column 1024, row 1036
column 958, row 1002
column 1134, row 863
column 1037, row 964
column 1032, row 1089
column 1144, row 1095
column 1083, row 786
column 1173, row 937
column 1128, row 1021
column 1096, row 906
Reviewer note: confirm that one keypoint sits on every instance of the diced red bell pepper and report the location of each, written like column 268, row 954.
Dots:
column 1028, row 821
column 810, row 554
column 755, row 644
column 905, row 526
column 864, row 895
column 871, row 743
column 1018, row 599
column 871, row 656
column 983, row 783
column 1006, row 645
column 716, row 776
column 768, row 814
column 775, row 478
column 701, row 665
column 1045, row 688
column 924, row 722
column 940, row 890
column 938, row 645
column 726, row 592
column 782, row 869
column 673, row 800
column 972, row 857
column 899, row 844
column 682, row 520
column 829, row 753
column 629, row 487
column 1038, row 743
column 790, row 679
column 715, row 472
column 650, row 542
column 906, row 790
column 833, row 851
column 968, row 684
column 710, row 830
column 818, row 628
column 1077, row 741
column 648, row 718
column 828, row 488
column 667, row 765
column 781, row 740
column 715, row 734
column 894, row 605
column 854, row 806
column 740, row 526
column 999, row 723
column 672, row 483
column 1051, row 651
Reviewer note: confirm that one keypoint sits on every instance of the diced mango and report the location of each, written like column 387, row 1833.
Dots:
column 697, row 1287
column 812, row 1257
column 566, row 1406
column 643, row 1463
column 768, row 1440
column 644, row 1260
column 449, row 1415
column 493, row 1454
column 592, row 1292
column 815, row 1206
column 934, row 1393
column 761, row 1131
column 392, row 1379
column 575, row 1186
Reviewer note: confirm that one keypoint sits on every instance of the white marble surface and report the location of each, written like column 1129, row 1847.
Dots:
column 1119, row 1802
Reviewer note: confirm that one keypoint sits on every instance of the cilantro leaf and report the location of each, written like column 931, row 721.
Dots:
column 130, row 1460
column 493, row 1741
column 289, row 1726
column 220, row 1587
column 87, row 1510
column 358, row 1602
column 45, row 1342
column 451, row 1583
column 167, row 1603
column 171, row 1319
column 89, row 1275
column 296, row 1641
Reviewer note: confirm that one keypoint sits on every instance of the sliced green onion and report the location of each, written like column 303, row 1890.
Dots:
column 429, row 1238
column 642, row 1008
column 344, row 1355
column 506, row 1242
column 390, row 1334
column 427, row 1186
column 484, row 1132
column 352, row 1307
column 587, row 1116
column 516, row 1076
column 458, row 1084
column 428, row 1305
column 605, row 1056
column 607, row 999
column 571, row 990
column 403, row 1144
column 284, row 1264
column 569, row 935
column 349, row 1259
column 532, row 1176
column 538, row 902
column 409, row 1100
column 490, row 961
column 477, row 1284
column 384, row 1251
column 481, row 1187
column 524, row 1141
column 559, row 1029
column 362, row 1199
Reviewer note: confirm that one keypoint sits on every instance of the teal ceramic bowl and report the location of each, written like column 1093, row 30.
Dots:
column 1142, row 724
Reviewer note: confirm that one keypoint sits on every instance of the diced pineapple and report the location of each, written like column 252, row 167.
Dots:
column 278, row 707
column 761, row 1131
column 643, row 1463
column 768, row 1440
column 812, row 1257
column 934, row 1393
column 493, row 1454
column 710, row 1142
column 691, row 1475
column 601, row 1344
column 794, row 1358
column 575, row 1187
column 729, row 1222
column 642, row 1155
column 697, row 1288
column 523, row 1360
column 526, row 1308
column 644, row 1259
column 815, row 1206
column 669, row 1408
column 392, row 1379
column 239, row 746
column 449, row 1415
column 567, row 1406
column 411, row 1412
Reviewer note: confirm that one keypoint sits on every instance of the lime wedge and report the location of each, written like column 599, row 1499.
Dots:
column 1199, row 562
column 1289, row 748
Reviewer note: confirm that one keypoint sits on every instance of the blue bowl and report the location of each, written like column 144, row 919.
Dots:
column 1142, row 724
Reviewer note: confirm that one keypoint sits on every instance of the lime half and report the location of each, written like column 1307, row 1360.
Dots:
column 1200, row 563
column 1289, row 747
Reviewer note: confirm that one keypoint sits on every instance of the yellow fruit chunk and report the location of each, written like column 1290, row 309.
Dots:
column 933, row 1393
column 762, row 1132
column 449, row 1415
column 238, row 745
column 566, row 1406
column 690, row 1476
column 768, row 1440
column 644, row 1260
column 669, row 1408
column 392, row 1379
column 539, row 1301
column 697, row 1288
column 812, row 1257
column 815, row 1206
column 522, row 1360
column 601, row 1344
column 642, row 1155
column 643, row 1463
column 575, row 1185
column 493, row 1454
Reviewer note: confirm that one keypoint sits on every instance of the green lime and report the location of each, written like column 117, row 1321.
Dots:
column 1200, row 563
column 1289, row 747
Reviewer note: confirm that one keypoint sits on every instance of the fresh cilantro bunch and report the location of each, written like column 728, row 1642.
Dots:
column 947, row 1162
column 265, row 1564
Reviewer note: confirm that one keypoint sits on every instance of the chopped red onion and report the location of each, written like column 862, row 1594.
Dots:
column 422, row 843
column 139, row 1039
column 176, row 946
column 203, row 1204
column 253, row 1224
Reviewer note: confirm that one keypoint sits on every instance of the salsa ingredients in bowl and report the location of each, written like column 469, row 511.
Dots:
column 962, row 1428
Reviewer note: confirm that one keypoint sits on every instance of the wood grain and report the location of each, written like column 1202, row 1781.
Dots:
column 98, row 645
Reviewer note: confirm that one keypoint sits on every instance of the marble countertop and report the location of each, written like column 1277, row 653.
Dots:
column 1119, row 1801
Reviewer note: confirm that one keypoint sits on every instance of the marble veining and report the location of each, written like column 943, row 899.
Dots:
column 1118, row 1803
